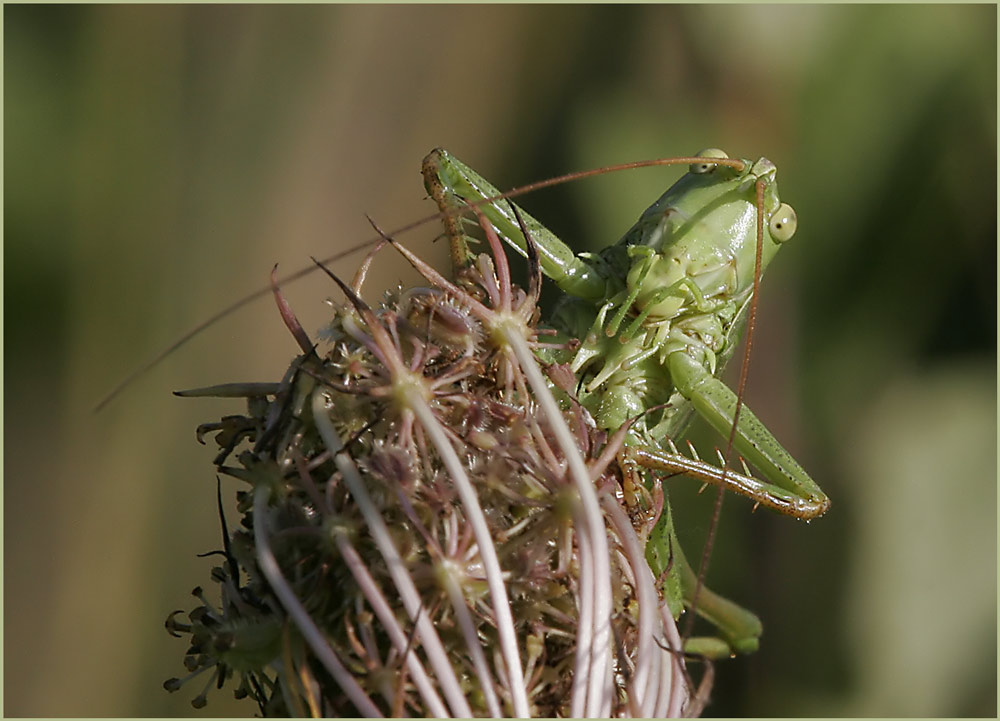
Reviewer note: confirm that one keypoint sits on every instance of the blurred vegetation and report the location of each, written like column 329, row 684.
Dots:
column 160, row 159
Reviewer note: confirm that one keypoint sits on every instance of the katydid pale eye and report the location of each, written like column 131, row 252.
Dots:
column 707, row 167
column 783, row 223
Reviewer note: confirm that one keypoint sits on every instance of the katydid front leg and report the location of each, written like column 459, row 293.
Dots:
column 789, row 489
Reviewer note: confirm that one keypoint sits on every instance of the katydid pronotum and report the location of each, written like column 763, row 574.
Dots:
column 657, row 315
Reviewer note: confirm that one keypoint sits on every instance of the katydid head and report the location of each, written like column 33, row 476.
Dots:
column 704, row 228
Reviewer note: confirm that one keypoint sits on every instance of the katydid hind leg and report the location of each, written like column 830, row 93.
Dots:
column 739, row 629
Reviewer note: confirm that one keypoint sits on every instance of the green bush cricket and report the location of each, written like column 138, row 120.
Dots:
column 658, row 315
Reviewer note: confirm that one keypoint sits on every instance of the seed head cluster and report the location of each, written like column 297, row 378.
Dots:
column 357, row 580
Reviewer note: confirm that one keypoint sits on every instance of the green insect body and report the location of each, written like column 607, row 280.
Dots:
column 657, row 316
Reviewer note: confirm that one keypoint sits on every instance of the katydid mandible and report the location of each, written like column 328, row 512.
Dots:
column 658, row 315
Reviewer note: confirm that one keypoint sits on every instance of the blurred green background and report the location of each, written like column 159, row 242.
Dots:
column 159, row 160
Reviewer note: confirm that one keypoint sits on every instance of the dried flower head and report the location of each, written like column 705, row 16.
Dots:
column 433, row 526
